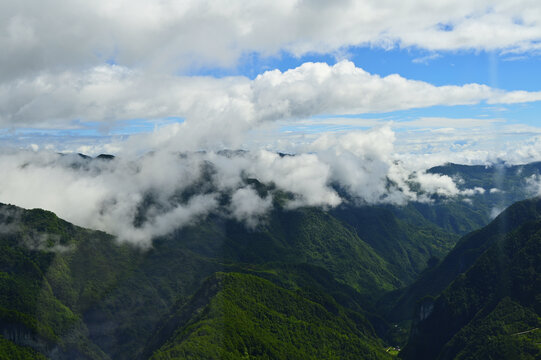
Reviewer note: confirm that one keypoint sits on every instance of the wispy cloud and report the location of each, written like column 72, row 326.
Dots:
column 426, row 59
column 442, row 122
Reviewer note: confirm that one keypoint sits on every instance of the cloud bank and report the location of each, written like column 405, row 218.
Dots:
column 216, row 112
column 147, row 196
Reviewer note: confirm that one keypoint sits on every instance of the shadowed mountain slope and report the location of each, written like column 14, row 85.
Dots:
column 492, row 310
column 462, row 257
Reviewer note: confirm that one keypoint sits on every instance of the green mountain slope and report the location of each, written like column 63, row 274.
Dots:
column 236, row 316
column 50, row 272
column 305, row 249
column 77, row 293
column 11, row 351
column 460, row 259
column 405, row 245
column 510, row 331
column 314, row 237
column 72, row 293
column 497, row 300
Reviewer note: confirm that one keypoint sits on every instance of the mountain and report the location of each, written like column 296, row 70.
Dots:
column 350, row 275
column 407, row 247
column 501, row 184
column 491, row 309
column 508, row 179
column 69, row 292
column 410, row 236
column 461, row 258
column 237, row 316
column 305, row 250
column 50, row 273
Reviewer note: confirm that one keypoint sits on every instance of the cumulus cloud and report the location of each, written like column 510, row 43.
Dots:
column 37, row 36
column 304, row 175
column 217, row 112
column 441, row 185
column 87, row 65
column 316, row 88
column 361, row 163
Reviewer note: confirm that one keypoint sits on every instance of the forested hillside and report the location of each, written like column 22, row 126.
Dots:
column 492, row 309
column 305, row 283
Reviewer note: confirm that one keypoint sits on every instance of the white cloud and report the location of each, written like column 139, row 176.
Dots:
column 246, row 205
column 37, row 35
column 426, row 59
column 533, row 185
column 442, row 185
column 495, row 211
column 514, row 97
column 474, row 191
column 217, row 112
column 304, row 175
column 361, row 163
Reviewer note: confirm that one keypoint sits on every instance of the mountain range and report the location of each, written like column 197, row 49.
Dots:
column 450, row 278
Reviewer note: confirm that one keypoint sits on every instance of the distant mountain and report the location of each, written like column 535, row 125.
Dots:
column 410, row 236
column 492, row 308
column 508, row 178
column 503, row 185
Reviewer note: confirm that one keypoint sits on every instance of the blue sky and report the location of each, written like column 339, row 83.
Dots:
column 504, row 71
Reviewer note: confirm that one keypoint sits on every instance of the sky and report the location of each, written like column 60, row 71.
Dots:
column 77, row 76
column 351, row 87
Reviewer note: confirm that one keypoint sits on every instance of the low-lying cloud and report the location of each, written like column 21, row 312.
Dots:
column 142, row 197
